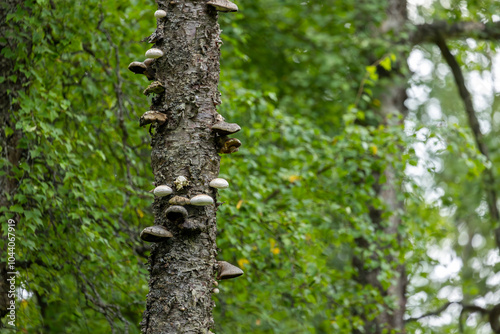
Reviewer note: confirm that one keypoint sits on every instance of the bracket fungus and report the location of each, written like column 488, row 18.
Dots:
column 180, row 182
column 152, row 117
column 154, row 88
column 227, row 270
column 155, row 233
column 160, row 14
column 219, row 183
column 162, row 191
column 201, row 200
column 154, row 53
column 137, row 67
column 229, row 145
column 176, row 212
column 223, row 5
column 223, row 128
column 149, row 61
column 179, row 200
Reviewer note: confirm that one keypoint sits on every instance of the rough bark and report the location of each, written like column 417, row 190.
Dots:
column 182, row 268
column 391, row 318
column 9, row 141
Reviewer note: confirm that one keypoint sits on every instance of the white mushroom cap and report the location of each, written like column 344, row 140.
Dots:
column 223, row 5
column 201, row 200
column 219, row 183
column 162, row 191
column 160, row 13
column 154, row 53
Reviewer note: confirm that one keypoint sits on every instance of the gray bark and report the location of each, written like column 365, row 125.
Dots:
column 390, row 320
column 182, row 268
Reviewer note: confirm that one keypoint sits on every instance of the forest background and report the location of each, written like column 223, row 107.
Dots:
column 306, row 81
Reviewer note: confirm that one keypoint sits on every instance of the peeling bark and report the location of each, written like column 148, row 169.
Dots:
column 182, row 268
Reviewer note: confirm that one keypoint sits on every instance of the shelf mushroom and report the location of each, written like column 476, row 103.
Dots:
column 137, row 67
column 152, row 117
column 154, row 88
column 155, row 233
column 223, row 5
column 179, row 200
column 162, row 191
column 154, row 53
column 160, row 14
column 227, row 270
column 201, row 200
column 229, row 145
column 176, row 213
column 224, row 129
column 219, row 183
column 149, row 61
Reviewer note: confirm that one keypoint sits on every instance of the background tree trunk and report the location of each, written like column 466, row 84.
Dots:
column 182, row 268
column 391, row 108
column 13, row 83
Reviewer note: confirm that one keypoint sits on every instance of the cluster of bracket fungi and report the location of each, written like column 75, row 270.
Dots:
column 176, row 212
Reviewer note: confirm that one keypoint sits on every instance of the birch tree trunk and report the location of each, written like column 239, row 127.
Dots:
column 182, row 268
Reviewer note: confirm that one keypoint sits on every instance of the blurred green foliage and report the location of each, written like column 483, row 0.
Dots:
column 301, row 184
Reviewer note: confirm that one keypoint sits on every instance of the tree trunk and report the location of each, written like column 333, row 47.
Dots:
column 391, row 318
column 11, row 153
column 182, row 268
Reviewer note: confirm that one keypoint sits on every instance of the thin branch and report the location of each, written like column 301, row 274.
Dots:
column 489, row 177
column 470, row 309
column 365, row 78
column 95, row 302
column 484, row 31
column 465, row 309
column 433, row 313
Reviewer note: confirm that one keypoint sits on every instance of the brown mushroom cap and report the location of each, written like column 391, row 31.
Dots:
column 155, row 233
column 227, row 270
column 224, row 128
column 178, row 200
column 154, row 88
column 152, row 116
column 229, row 145
column 137, row 67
